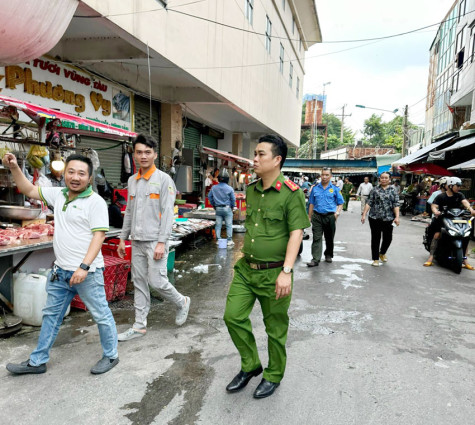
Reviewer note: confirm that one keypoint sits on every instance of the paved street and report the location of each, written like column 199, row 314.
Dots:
column 388, row 345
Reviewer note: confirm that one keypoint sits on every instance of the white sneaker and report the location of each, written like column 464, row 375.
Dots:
column 182, row 313
column 375, row 263
column 230, row 243
column 130, row 334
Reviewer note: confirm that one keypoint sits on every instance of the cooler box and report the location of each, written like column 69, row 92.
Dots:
column 115, row 280
column 109, row 247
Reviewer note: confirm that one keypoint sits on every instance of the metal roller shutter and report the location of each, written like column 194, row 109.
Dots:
column 110, row 159
column 192, row 141
column 142, row 118
column 210, row 142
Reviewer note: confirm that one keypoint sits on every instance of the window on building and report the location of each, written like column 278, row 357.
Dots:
column 268, row 33
column 462, row 9
column 249, row 10
column 300, row 44
column 291, row 74
column 293, row 26
column 472, row 52
column 460, row 48
column 283, row 4
column 281, row 59
column 297, row 88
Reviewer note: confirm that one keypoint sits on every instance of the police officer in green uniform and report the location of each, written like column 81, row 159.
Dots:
column 275, row 219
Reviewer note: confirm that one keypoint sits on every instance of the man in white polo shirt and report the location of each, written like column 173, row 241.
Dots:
column 81, row 221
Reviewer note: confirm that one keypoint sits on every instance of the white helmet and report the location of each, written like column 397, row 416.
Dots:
column 453, row 180
column 443, row 181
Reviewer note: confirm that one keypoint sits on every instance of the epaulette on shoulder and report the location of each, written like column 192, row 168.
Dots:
column 291, row 185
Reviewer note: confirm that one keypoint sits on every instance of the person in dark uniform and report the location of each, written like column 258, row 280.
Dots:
column 275, row 219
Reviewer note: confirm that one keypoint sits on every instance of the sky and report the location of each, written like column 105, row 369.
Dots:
column 386, row 74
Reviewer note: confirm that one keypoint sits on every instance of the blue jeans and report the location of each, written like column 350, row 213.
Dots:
column 60, row 295
column 225, row 213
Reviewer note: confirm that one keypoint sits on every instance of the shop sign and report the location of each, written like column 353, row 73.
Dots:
column 53, row 85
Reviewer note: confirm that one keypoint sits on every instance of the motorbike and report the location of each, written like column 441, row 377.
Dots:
column 455, row 234
column 407, row 203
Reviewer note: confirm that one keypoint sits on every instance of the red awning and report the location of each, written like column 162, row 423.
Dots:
column 241, row 162
column 33, row 110
column 427, row 168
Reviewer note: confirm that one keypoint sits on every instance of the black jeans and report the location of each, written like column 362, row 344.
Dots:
column 379, row 227
column 323, row 226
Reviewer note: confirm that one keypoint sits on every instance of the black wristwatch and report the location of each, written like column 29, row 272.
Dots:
column 84, row 266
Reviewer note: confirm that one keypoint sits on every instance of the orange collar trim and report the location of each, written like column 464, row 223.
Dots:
column 147, row 175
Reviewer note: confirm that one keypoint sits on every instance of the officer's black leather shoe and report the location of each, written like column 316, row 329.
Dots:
column 242, row 379
column 265, row 389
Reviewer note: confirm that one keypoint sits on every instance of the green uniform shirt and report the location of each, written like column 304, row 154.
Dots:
column 347, row 188
column 271, row 215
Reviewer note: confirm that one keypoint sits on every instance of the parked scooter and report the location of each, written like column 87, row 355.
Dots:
column 455, row 234
column 407, row 203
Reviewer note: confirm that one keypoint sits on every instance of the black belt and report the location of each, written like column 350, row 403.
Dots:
column 325, row 214
column 222, row 206
column 265, row 266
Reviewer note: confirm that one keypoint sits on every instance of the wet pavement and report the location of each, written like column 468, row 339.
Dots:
column 367, row 345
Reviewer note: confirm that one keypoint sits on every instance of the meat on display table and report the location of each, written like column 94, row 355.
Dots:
column 38, row 252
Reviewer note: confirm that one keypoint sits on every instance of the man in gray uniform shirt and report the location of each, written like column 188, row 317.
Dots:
column 148, row 221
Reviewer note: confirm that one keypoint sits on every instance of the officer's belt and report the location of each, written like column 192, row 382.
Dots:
column 264, row 266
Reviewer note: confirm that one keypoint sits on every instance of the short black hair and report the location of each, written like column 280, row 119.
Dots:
column 82, row 158
column 279, row 148
column 146, row 140
column 385, row 172
column 223, row 179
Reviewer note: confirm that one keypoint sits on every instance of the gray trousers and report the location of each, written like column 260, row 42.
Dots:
column 149, row 272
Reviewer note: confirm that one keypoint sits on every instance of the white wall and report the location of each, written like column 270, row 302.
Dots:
column 230, row 62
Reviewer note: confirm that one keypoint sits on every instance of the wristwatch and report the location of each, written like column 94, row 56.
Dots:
column 84, row 266
column 287, row 269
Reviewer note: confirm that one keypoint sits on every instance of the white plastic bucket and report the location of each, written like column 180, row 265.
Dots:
column 222, row 243
column 29, row 298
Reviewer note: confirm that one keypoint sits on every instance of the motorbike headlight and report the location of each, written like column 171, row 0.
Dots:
column 452, row 232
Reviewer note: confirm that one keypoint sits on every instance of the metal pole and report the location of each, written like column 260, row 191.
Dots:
column 404, row 133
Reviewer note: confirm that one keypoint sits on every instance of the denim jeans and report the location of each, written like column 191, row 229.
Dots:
column 60, row 295
column 225, row 213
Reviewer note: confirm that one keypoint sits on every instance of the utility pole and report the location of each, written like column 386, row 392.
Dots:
column 343, row 121
column 314, row 134
column 404, row 133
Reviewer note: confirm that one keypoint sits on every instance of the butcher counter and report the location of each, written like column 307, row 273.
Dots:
column 31, row 255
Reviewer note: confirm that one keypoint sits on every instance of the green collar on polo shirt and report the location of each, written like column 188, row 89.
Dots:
column 83, row 194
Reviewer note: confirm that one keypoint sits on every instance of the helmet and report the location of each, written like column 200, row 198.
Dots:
column 454, row 181
column 442, row 181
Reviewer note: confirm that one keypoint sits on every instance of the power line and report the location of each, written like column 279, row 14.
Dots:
column 276, row 36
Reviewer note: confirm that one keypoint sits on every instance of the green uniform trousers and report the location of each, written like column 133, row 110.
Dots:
column 247, row 285
column 346, row 197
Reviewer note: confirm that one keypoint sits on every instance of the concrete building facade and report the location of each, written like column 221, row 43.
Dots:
column 234, row 66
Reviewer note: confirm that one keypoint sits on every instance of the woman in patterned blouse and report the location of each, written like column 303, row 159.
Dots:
column 383, row 207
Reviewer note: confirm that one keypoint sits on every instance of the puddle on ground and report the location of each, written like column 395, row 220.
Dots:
column 318, row 323
column 177, row 393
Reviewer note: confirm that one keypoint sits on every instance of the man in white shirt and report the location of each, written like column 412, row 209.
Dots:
column 81, row 223
column 339, row 183
column 363, row 192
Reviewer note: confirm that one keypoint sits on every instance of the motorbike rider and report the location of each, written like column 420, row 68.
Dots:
column 452, row 198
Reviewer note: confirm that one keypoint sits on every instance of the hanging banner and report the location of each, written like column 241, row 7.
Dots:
column 57, row 86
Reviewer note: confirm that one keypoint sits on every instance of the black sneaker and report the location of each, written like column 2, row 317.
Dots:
column 313, row 263
column 104, row 365
column 24, row 367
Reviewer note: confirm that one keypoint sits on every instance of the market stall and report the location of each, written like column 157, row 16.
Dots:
column 41, row 138
column 238, row 170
